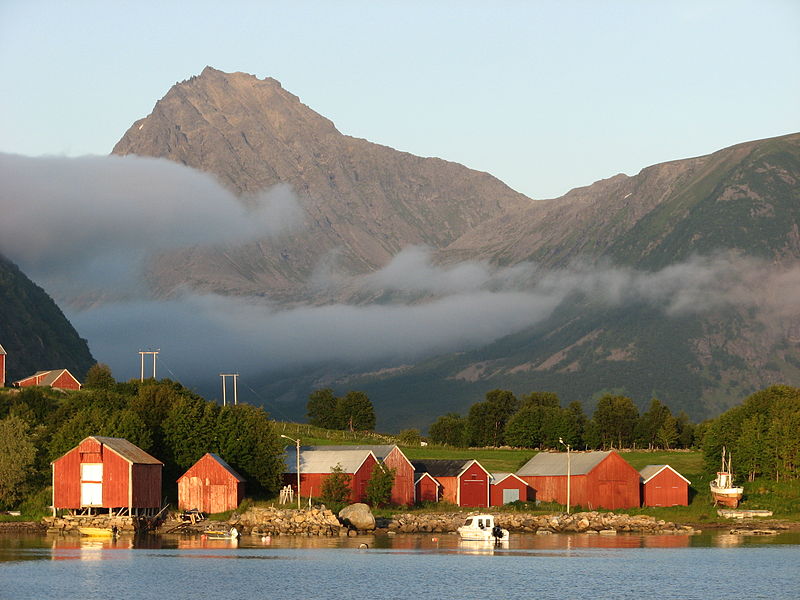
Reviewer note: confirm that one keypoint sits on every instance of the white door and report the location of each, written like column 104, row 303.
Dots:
column 510, row 496
column 92, row 484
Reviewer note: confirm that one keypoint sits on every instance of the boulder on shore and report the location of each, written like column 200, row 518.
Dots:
column 358, row 516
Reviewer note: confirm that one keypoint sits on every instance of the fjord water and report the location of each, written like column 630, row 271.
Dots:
column 406, row 566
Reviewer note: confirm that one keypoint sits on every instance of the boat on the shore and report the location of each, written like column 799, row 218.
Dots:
column 231, row 534
column 722, row 489
column 482, row 528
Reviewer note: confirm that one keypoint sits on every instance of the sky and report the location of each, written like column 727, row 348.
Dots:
column 546, row 96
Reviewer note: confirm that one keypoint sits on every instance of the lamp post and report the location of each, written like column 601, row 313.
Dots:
column 297, row 442
column 569, row 469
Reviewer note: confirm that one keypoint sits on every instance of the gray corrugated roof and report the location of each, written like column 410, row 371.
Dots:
column 380, row 451
column 555, row 463
column 321, row 461
column 440, row 468
column 127, row 450
column 2, row 351
column 650, row 471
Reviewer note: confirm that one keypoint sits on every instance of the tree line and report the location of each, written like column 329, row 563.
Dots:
column 172, row 423
column 539, row 421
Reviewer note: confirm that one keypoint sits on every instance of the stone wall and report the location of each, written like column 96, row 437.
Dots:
column 71, row 524
column 276, row 521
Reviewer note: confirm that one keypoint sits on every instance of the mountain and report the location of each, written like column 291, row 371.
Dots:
column 743, row 201
column 34, row 332
column 362, row 202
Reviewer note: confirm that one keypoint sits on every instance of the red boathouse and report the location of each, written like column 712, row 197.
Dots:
column 597, row 479
column 664, row 486
column 464, row 483
column 316, row 467
column 507, row 487
column 105, row 473
column 210, row 486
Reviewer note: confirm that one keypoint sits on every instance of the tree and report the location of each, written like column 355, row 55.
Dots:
column 99, row 377
column 651, row 422
column 449, row 430
column 615, row 419
column 336, row 487
column 487, row 420
column 355, row 412
column 667, row 434
column 379, row 486
column 321, row 409
column 409, row 437
column 541, row 399
column 17, row 456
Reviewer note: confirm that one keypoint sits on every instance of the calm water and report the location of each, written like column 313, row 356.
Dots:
column 409, row 566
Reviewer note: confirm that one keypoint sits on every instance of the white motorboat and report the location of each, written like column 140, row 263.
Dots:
column 482, row 528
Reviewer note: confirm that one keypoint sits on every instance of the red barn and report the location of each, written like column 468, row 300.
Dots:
column 316, row 465
column 210, row 486
column 427, row 488
column 2, row 367
column 403, row 492
column 464, row 483
column 507, row 487
column 597, row 479
column 59, row 378
column 664, row 486
column 109, row 474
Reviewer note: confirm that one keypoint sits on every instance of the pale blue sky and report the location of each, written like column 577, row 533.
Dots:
column 547, row 96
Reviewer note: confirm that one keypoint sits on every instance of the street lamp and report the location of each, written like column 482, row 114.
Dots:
column 297, row 442
column 569, row 469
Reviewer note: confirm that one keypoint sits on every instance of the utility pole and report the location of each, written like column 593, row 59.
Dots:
column 569, row 469
column 154, row 353
column 235, row 388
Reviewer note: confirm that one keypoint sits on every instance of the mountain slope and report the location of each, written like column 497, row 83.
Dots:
column 33, row 330
column 362, row 202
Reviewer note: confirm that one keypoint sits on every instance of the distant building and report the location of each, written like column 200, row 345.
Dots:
column 464, row 483
column 60, row 379
column 664, row 486
column 596, row 479
column 2, row 367
column 210, row 486
column 107, row 474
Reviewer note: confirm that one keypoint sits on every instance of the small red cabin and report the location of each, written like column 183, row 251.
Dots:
column 596, row 479
column 464, row 483
column 60, row 379
column 507, row 487
column 403, row 493
column 427, row 488
column 109, row 474
column 664, row 486
column 210, row 486
column 316, row 467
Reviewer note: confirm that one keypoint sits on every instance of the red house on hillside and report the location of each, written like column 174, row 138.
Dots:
column 60, row 379
column 107, row 474
column 597, row 479
column 391, row 456
column 316, row 466
column 507, row 487
column 464, row 483
column 210, row 486
column 664, row 486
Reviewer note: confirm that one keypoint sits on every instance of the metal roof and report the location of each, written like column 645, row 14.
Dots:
column 225, row 465
column 380, row 451
column 650, row 471
column 2, row 351
column 322, row 461
column 442, row 468
column 130, row 452
column 555, row 463
column 497, row 478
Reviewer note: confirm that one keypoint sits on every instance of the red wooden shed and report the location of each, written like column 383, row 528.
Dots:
column 427, row 488
column 210, row 486
column 60, row 379
column 2, row 367
column 316, row 465
column 464, row 483
column 597, row 479
column 507, row 487
column 403, row 492
column 108, row 474
column 664, row 486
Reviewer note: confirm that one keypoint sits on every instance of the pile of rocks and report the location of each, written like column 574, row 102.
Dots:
column 585, row 522
column 277, row 521
column 71, row 524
